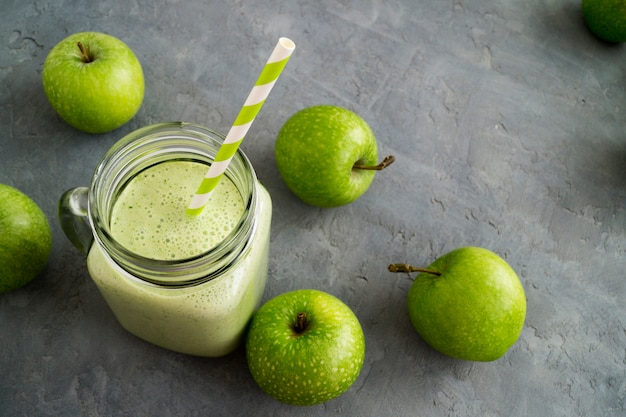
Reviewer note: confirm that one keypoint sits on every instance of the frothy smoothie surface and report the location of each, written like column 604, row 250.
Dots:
column 149, row 215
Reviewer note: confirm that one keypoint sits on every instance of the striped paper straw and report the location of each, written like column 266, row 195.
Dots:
column 272, row 69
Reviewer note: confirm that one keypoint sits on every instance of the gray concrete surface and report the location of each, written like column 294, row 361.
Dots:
column 508, row 122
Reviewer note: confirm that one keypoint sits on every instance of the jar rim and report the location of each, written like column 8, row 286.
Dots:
column 147, row 147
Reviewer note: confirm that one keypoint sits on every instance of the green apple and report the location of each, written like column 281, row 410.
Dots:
column 305, row 347
column 606, row 19
column 468, row 304
column 25, row 239
column 327, row 155
column 94, row 81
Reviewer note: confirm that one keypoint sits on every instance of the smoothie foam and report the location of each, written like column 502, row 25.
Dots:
column 149, row 214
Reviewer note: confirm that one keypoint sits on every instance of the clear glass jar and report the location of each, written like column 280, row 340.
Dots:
column 199, row 305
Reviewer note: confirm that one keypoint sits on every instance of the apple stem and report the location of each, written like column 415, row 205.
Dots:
column 300, row 323
column 84, row 53
column 384, row 164
column 410, row 268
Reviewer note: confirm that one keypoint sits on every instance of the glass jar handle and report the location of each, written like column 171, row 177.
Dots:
column 73, row 216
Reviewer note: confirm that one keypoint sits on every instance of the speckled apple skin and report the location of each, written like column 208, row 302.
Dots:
column 25, row 239
column 314, row 366
column 475, row 310
column 98, row 96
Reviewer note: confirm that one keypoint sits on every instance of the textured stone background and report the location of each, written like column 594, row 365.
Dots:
column 507, row 119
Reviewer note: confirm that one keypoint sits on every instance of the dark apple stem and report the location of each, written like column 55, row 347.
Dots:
column 410, row 268
column 300, row 323
column 384, row 164
column 84, row 53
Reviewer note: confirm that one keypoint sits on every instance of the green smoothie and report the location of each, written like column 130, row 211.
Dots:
column 148, row 216
column 149, row 219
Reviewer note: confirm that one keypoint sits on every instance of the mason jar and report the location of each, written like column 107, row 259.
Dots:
column 197, row 302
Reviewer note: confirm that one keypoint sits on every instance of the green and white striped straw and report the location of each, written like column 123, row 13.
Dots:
column 272, row 69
